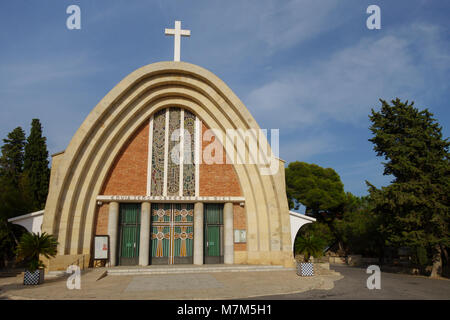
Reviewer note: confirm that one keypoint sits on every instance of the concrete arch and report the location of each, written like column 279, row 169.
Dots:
column 79, row 172
column 297, row 222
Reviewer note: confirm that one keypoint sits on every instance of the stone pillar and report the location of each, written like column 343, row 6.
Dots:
column 228, row 233
column 144, row 241
column 198, row 233
column 113, row 225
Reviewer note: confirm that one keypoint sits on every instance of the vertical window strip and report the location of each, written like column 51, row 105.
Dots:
column 149, row 160
column 189, row 155
column 166, row 151
column 158, row 147
column 197, row 134
column 173, row 172
column 181, row 141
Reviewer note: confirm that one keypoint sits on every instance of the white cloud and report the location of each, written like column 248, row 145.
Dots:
column 234, row 32
column 345, row 87
column 18, row 75
column 286, row 24
column 48, row 88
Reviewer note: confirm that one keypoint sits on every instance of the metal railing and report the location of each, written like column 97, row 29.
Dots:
column 77, row 262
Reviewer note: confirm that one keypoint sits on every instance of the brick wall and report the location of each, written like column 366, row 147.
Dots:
column 239, row 223
column 128, row 175
column 101, row 223
column 218, row 179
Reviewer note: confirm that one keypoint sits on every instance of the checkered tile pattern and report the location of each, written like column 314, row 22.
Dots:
column 31, row 278
column 305, row 269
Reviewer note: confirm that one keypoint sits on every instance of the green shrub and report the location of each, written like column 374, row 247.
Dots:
column 309, row 246
column 32, row 245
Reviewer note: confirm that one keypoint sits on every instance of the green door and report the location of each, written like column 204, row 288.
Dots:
column 213, row 235
column 129, row 220
column 213, row 241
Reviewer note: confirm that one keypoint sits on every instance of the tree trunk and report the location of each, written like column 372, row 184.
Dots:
column 341, row 247
column 5, row 261
column 437, row 262
column 445, row 253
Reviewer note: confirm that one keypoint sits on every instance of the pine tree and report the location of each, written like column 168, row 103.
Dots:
column 36, row 173
column 415, row 207
column 320, row 190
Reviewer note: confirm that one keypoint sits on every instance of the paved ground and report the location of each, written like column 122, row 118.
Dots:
column 393, row 286
column 349, row 284
column 223, row 285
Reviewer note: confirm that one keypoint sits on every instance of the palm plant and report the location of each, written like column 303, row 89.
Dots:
column 32, row 245
column 309, row 246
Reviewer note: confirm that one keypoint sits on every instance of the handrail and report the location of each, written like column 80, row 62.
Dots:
column 77, row 262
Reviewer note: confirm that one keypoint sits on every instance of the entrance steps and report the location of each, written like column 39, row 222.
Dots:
column 61, row 274
column 177, row 269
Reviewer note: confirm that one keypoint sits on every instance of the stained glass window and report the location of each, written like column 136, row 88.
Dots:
column 189, row 151
column 159, row 123
column 173, row 153
column 173, row 165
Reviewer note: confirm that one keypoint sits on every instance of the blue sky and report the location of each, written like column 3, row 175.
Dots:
column 310, row 68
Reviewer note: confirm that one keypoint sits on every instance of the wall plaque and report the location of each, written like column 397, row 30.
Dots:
column 240, row 236
column 101, row 251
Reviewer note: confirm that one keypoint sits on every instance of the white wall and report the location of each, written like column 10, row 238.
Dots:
column 297, row 221
column 32, row 221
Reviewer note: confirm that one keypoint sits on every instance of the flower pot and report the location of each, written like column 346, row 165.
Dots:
column 305, row 269
column 33, row 278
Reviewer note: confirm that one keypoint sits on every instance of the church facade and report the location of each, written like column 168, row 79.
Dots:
column 139, row 170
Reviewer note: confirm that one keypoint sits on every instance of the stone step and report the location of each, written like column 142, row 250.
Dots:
column 56, row 274
column 9, row 274
column 59, row 274
column 192, row 269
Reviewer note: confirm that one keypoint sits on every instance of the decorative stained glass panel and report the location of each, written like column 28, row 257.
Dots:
column 189, row 152
column 173, row 166
column 172, row 232
column 157, row 176
column 159, row 155
column 183, row 237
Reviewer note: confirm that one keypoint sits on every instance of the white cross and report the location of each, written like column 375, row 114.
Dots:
column 177, row 33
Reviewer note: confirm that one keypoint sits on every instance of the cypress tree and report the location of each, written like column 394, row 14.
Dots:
column 415, row 207
column 11, row 201
column 12, row 158
column 36, row 173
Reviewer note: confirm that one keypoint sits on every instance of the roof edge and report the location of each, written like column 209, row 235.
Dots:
column 28, row 215
column 302, row 216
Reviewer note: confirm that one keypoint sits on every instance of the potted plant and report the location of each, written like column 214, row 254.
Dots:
column 308, row 246
column 30, row 247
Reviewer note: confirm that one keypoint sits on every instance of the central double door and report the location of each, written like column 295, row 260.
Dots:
column 172, row 233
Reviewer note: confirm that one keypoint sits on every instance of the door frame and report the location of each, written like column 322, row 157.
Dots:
column 213, row 259
column 135, row 260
